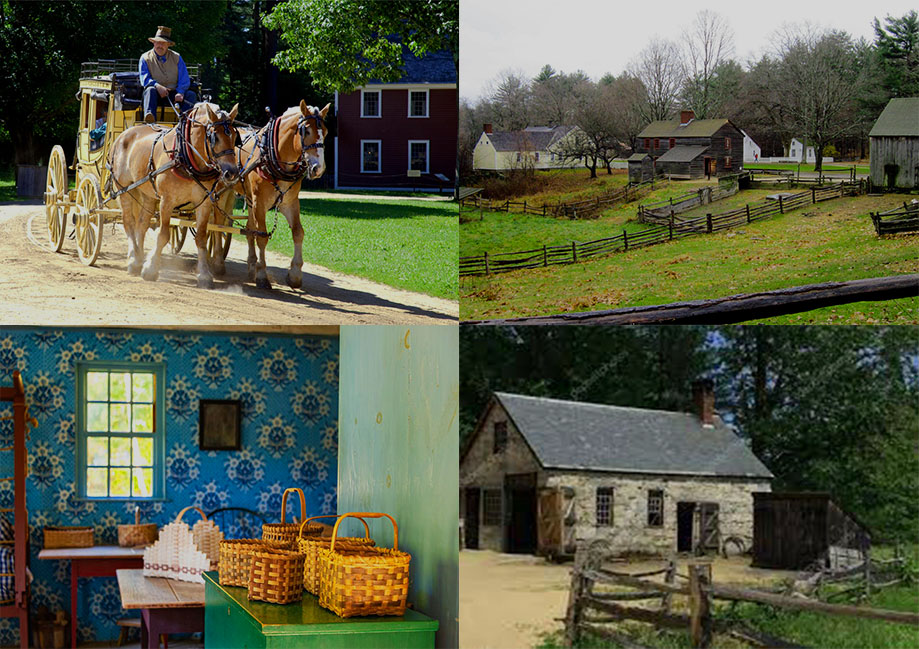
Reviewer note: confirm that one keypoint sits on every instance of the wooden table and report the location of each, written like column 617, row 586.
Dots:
column 97, row 561
column 166, row 605
column 232, row 620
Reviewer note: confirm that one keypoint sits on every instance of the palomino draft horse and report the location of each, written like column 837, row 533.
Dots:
column 187, row 165
column 275, row 160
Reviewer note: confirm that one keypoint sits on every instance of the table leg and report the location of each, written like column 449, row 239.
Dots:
column 147, row 637
column 73, row 605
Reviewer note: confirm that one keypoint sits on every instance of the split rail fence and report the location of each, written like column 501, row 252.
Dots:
column 593, row 605
column 662, row 212
column 501, row 262
column 897, row 220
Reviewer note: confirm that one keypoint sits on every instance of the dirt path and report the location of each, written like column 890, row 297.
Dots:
column 39, row 286
column 510, row 601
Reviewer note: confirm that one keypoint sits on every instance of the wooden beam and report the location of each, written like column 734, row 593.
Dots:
column 657, row 618
column 601, row 575
column 739, row 308
column 800, row 604
column 700, row 605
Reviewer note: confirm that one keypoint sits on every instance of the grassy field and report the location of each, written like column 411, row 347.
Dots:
column 7, row 185
column 831, row 241
column 832, row 167
column 407, row 244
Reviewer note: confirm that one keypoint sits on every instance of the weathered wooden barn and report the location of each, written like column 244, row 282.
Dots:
column 687, row 148
column 793, row 531
column 894, row 145
column 541, row 475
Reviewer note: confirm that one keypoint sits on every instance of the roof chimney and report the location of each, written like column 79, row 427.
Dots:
column 486, row 128
column 703, row 396
column 686, row 116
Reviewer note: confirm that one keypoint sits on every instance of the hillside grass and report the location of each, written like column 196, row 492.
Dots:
column 406, row 244
column 830, row 241
column 833, row 167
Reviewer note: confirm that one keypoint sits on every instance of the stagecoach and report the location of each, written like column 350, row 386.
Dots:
column 110, row 99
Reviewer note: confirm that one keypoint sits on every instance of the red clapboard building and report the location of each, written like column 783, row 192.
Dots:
column 400, row 136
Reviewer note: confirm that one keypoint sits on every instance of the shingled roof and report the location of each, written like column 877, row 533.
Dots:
column 537, row 138
column 899, row 118
column 672, row 128
column 434, row 67
column 683, row 153
column 596, row 437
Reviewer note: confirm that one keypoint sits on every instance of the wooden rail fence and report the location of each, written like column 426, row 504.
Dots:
column 663, row 212
column 592, row 606
column 501, row 262
column 899, row 219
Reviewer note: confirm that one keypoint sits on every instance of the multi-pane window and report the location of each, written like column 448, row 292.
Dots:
column 491, row 507
column 604, row 506
column 370, row 103
column 370, row 156
column 657, row 144
column 647, row 143
column 727, row 144
column 727, row 162
column 418, row 103
column 500, row 442
column 120, row 431
column 537, row 156
column 418, row 155
column 655, row 508
column 672, row 142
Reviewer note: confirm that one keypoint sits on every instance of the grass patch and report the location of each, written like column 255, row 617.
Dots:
column 830, row 241
column 8, row 185
column 406, row 244
column 808, row 167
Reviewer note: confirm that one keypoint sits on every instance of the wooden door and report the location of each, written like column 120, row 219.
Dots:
column 471, row 522
column 709, row 534
column 549, row 521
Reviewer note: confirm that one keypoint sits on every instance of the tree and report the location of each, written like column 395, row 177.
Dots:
column 659, row 68
column 509, row 96
column 345, row 43
column 816, row 82
column 897, row 43
column 625, row 95
column 709, row 44
column 553, row 96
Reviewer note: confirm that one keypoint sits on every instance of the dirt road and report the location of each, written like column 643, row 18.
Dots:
column 509, row 601
column 38, row 286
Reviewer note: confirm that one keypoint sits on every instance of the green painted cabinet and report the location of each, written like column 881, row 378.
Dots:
column 231, row 621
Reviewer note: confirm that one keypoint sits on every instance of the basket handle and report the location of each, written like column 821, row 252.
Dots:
column 181, row 513
column 298, row 491
column 362, row 515
column 137, row 515
column 312, row 518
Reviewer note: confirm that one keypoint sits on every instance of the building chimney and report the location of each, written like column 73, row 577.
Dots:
column 486, row 128
column 686, row 116
column 703, row 396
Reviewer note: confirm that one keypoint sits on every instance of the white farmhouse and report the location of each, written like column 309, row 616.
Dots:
column 751, row 150
column 535, row 147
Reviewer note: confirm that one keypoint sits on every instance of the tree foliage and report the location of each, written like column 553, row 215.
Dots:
column 343, row 44
column 825, row 408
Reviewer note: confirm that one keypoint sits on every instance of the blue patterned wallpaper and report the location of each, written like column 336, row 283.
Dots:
column 288, row 386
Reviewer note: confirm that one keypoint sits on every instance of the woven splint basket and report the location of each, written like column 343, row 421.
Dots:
column 309, row 548
column 284, row 535
column 276, row 576
column 138, row 533
column 363, row 580
column 235, row 559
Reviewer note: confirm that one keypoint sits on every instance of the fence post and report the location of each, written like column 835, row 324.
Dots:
column 625, row 239
column 486, row 263
column 813, row 195
column 579, row 587
column 668, row 579
column 700, row 620
column 671, row 224
column 544, row 211
column 748, row 212
column 574, row 251
column 781, row 207
column 524, row 207
column 545, row 256
column 708, row 223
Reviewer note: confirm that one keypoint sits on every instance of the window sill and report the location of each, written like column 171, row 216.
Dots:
column 112, row 499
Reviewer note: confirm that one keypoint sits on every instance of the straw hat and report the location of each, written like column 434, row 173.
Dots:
column 162, row 35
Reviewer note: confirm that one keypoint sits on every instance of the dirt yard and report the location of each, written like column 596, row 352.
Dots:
column 39, row 286
column 510, row 600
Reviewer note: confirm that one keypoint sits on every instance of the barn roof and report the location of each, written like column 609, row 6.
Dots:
column 539, row 138
column 672, row 128
column 595, row 437
column 899, row 118
column 681, row 153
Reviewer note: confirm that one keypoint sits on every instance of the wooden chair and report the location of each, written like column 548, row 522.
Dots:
column 248, row 521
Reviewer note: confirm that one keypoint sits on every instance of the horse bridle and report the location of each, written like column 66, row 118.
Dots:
column 212, row 170
column 269, row 148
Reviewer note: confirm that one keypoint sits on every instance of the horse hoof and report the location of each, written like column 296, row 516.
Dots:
column 294, row 282
column 262, row 282
column 220, row 270
column 150, row 275
column 206, row 282
column 134, row 269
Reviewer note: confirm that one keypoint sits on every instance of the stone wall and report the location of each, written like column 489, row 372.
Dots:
column 630, row 532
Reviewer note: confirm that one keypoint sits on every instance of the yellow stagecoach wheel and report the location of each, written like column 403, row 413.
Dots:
column 177, row 236
column 218, row 241
column 89, row 220
column 55, row 194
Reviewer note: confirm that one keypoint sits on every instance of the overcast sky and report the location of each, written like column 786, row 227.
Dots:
column 600, row 36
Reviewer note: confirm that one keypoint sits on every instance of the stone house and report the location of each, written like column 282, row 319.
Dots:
column 540, row 475
column 687, row 148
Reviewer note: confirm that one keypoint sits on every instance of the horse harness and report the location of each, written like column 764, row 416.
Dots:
column 270, row 166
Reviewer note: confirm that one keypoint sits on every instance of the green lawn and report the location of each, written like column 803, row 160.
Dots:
column 8, row 185
column 790, row 166
column 407, row 244
column 830, row 241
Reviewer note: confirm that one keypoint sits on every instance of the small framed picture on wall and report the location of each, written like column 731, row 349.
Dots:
column 219, row 425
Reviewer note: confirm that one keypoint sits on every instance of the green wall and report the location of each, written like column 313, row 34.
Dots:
column 399, row 452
